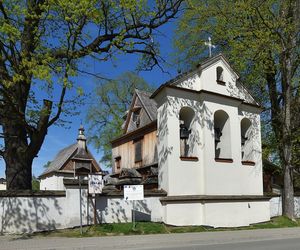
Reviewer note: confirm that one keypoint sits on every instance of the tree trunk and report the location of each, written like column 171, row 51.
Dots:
column 18, row 161
column 18, row 172
column 288, row 193
column 286, row 140
column 286, row 157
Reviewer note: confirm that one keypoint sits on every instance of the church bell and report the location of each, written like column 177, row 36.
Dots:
column 218, row 135
column 184, row 132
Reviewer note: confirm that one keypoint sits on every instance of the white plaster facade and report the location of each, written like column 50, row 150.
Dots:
column 201, row 174
column 116, row 209
column 53, row 182
column 43, row 213
column 2, row 186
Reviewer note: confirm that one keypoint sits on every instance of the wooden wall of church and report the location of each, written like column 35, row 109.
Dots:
column 126, row 152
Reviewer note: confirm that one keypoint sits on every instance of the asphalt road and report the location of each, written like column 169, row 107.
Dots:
column 266, row 239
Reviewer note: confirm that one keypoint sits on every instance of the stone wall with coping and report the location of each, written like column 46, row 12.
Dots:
column 34, row 211
column 118, row 210
column 276, row 206
column 27, row 211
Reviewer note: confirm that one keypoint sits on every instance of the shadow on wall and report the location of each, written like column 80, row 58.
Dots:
column 111, row 210
column 297, row 206
column 171, row 108
column 140, row 216
column 117, row 210
column 141, row 211
column 29, row 214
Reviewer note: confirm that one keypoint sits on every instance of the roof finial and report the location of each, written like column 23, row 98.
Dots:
column 81, row 135
column 210, row 45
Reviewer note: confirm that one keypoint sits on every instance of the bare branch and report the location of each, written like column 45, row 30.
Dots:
column 59, row 108
column 161, row 18
column 94, row 74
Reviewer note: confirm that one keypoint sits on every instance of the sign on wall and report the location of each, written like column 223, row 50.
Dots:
column 95, row 183
column 133, row 192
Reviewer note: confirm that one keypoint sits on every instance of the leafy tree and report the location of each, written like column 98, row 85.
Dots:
column 105, row 116
column 35, row 184
column 47, row 165
column 261, row 39
column 41, row 44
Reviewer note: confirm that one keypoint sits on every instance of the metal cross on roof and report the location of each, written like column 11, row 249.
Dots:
column 210, row 45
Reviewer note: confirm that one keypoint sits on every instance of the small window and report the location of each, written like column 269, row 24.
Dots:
column 138, row 150
column 118, row 162
column 220, row 76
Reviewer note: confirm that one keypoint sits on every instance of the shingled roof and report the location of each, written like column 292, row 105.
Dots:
column 76, row 151
column 60, row 159
column 149, row 104
column 141, row 99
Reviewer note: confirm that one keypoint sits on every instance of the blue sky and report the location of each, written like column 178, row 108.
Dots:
column 60, row 137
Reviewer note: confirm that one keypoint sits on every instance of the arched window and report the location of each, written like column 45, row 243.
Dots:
column 246, row 142
column 186, row 115
column 222, row 136
column 220, row 75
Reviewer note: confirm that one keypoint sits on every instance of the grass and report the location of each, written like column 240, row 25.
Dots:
column 110, row 229
column 277, row 222
column 159, row 228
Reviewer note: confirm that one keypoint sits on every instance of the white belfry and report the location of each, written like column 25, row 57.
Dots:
column 210, row 45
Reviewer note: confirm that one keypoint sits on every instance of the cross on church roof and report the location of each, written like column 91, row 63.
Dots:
column 210, row 45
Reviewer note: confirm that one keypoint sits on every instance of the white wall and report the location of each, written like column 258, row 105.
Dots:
column 118, row 210
column 31, row 214
column 236, row 214
column 276, row 206
column 53, row 182
column 183, row 214
column 216, row 214
column 2, row 186
column 176, row 176
column 223, row 178
column 208, row 80
column 206, row 176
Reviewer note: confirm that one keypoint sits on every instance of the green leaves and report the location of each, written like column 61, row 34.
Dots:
column 262, row 40
column 10, row 32
column 42, row 44
column 105, row 116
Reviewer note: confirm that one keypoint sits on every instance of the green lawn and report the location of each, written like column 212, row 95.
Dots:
column 159, row 228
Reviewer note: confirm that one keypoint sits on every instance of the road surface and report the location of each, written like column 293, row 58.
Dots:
column 265, row 239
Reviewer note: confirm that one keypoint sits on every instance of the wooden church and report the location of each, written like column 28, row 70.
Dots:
column 70, row 162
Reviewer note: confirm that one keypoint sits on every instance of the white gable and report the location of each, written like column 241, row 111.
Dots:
column 205, row 78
